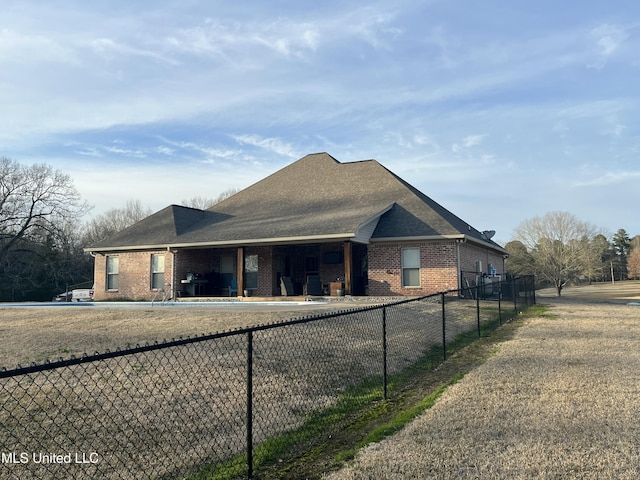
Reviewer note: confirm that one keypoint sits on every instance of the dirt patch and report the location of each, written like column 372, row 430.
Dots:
column 559, row 400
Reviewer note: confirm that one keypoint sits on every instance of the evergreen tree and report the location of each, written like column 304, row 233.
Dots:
column 622, row 245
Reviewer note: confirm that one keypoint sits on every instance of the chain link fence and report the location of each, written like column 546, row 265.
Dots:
column 221, row 404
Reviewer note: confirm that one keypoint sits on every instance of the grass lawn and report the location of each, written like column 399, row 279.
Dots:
column 558, row 400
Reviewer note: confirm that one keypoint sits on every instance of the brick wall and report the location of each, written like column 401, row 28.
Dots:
column 332, row 271
column 470, row 254
column 438, row 266
column 134, row 278
column 266, row 272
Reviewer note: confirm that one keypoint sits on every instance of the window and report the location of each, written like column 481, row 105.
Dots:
column 113, row 270
column 157, row 272
column 411, row 267
column 251, row 271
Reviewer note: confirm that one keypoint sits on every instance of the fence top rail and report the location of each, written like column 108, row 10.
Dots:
column 147, row 347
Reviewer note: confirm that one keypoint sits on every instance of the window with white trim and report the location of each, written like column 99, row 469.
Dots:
column 157, row 271
column 410, row 267
column 113, row 272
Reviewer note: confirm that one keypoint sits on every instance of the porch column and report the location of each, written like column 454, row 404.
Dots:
column 174, row 275
column 348, row 266
column 240, row 269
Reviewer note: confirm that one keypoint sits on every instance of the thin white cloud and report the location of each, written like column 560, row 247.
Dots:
column 89, row 152
column 472, row 140
column 426, row 140
column 607, row 40
column 274, row 145
column 25, row 48
column 246, row 44
column 110, row 48
column 212, row 154
column 609, row 178
column 593, row 108
column 165, row 150
column 467, row 143
column 300, row 40
column 373, row 26
column 138, row 153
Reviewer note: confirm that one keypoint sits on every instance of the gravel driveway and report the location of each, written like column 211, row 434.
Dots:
column 560, row 400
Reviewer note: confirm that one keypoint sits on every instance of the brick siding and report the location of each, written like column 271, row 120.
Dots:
column 134, row 278
column 438, row 268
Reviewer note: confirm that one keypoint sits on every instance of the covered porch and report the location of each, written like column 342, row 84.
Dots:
column 297, row 270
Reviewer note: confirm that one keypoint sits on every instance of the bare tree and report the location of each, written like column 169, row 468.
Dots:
column 204, row 203
column 560, row 246
column 633, row 264
column 37, row 203
column 114, row 220
column 199, row 202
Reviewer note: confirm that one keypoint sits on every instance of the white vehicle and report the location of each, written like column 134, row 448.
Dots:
column 82, row 295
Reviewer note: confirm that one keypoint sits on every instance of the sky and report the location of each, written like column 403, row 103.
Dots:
column 498, row 110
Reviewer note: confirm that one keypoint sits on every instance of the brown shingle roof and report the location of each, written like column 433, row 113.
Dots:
column 312, row 199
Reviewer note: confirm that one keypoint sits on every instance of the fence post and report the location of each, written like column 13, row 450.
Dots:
column 500, row 302
column 515, row 297
column 444, row 333
column 478, row 307
column 384, row 351
column 532, row 285
column 249, row 404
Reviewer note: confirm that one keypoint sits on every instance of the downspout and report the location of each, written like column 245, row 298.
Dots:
column 174, row 259
column 458, row 242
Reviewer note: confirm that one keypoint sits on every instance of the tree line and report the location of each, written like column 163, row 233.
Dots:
column 559, row 249
column 42, row 234
column 42, row 238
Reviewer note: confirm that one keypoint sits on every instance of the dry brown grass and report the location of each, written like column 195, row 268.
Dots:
column 618, row 292
column 46, row 333
column 36, row 334
column 559, row 400
column 149, row 406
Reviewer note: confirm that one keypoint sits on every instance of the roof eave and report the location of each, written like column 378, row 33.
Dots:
column 492, row 245
column 460, row 237
column 230, row 243
column 415, row 238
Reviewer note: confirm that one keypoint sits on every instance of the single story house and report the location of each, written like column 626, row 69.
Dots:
column 315, row 227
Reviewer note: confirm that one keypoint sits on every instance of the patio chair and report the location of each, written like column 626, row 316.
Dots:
column 286, row 287
column 314, row 285
column 233, row 286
